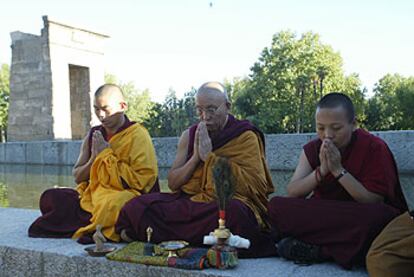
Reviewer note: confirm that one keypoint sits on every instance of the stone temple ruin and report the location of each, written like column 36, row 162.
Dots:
column 52, row 80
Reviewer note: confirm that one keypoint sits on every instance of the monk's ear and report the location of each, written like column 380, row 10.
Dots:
column 124, row 106
column 228, row 105
column 354, row 122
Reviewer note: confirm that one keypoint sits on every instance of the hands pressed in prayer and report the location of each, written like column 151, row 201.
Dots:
column 98, row 144
column 324, row 162
column 196, row 155
column 204, row 142
column 332, row 157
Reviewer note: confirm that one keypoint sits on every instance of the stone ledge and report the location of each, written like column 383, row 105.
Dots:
column 282, row 150
column 24, row 256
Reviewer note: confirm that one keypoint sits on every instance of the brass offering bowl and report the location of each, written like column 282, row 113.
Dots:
column 173, row 246
column 92, row 251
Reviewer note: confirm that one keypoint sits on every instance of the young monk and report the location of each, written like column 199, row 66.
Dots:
column 343, row 192
column 191, row 212
column 116, row 163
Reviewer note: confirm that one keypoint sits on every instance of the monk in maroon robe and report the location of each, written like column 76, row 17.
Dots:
column 343, row 192
column 191, row 212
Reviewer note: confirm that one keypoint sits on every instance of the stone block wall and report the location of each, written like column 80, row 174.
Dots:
column 282, row 151
column 52, row 79
column 30, row 115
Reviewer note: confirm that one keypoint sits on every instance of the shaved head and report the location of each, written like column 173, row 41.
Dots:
column 109, row 105
column 110, row 90
column 212, row 106
column 214, row 88
column 337, row 99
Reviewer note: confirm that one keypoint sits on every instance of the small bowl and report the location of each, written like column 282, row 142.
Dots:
column 92, row 252
column 173, row 246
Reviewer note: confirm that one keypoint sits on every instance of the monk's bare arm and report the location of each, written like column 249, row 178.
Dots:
column 353, row 186
column 303, row 181
column 182, row 170
column 358, row 191
column 82, row 167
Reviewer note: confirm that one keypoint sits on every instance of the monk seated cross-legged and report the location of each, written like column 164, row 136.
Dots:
column 343, row 192
column 116, row 163
column 191, row 212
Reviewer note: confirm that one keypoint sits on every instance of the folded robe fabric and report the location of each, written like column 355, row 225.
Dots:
column 128, row 168
column 192, row 212
column 244, row 146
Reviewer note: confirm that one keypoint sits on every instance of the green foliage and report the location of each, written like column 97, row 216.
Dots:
column 173, row 116
column 405, row 100
column 4, row 94
column 110, row 79
column 391, row 106
column 4, row 199
column 170, row 118
column 139, row 102
column 287, row 81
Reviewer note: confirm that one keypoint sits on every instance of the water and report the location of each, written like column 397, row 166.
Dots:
column 22, row 185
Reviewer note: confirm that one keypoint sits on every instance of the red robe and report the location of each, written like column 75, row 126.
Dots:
column 331, row 218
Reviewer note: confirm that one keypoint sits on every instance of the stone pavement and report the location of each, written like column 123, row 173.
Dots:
column 24, row 256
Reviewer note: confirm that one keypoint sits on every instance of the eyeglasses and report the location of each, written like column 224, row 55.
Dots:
column 210, row 110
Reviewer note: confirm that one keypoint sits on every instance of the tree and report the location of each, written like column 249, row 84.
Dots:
column 391, row 106
column 288, row 79
column 405, row 100
column 170, row 118
column 173, row 116
column 139, row 102
column 383, row 112
column 4, row 100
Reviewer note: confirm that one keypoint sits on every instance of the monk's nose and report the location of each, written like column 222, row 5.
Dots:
column 101, row 114
column 328, row 133
column 205, row 116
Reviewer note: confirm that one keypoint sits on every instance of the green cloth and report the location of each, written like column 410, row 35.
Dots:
column 189, row 258
column 134, row 253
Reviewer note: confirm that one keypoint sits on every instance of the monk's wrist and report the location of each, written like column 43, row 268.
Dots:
column 318, row 175
column 90, row 162
column 323, row 173
column 195, row 159
column 210, row 155
column 339, row 172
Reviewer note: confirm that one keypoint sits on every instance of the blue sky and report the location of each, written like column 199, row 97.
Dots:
column 163, row 44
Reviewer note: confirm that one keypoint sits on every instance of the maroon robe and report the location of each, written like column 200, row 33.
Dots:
column 332, row 218
column 175, row 216
column 61, row 213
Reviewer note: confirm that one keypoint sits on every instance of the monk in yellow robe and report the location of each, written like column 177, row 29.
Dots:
column 191, row 211
column 392, row 252
column 116, row 163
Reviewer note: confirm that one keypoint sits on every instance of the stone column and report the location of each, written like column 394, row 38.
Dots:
column 53, row 77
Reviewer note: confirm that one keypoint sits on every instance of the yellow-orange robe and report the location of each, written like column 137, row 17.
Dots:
column 246, row 155
column 192, row 213
column 130, row 157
